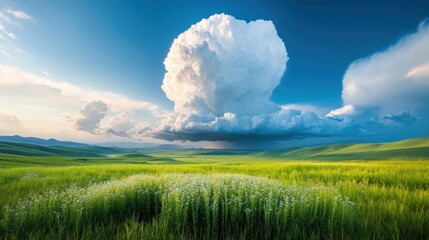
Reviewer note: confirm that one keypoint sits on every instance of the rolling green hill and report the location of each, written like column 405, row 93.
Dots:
column 25, row 149
column 24, row 154
column 416, row 148
column 40, row 142
column 143, row 158
column 16, row 161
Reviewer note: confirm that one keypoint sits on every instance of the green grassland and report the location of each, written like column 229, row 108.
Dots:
column 343, row 191
column 25, row 149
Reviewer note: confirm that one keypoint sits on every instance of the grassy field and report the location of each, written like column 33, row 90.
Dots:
column 203, row 194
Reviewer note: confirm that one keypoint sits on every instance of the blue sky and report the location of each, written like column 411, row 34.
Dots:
column 120, row 48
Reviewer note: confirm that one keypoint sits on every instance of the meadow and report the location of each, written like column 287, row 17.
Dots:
column 213, row 195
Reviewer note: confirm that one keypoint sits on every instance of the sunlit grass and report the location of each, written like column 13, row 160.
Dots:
column 210, row 205
column 391, row 199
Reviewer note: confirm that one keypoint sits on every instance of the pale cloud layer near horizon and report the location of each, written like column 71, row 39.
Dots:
column 45, row 107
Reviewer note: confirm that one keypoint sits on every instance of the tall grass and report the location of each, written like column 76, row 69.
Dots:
column 391, row 197
column 198, row 206
column 76, row 208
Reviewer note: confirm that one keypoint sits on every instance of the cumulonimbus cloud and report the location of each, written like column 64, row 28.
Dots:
column 222, row 65
column 221, row 73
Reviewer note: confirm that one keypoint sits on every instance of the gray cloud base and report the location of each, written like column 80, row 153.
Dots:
column 281, row 125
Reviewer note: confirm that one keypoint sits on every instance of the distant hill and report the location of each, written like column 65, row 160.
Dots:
column 128, row 145
column 143, row 158
column 32, row 146
column 26, row 149
column 416, row 148
column 142, row 146
column 165, row 147
column 40, row 141
column 213, row 152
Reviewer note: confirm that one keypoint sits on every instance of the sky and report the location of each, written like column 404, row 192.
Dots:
column 215, row 73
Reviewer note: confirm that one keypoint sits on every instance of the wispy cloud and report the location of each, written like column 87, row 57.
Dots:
column 18, row 13
column 45, row 72
column 6, row 32
column 4, row 50
column 9, row 20
column 4, row 17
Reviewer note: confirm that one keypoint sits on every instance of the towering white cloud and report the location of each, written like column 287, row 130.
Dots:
column 393, row 80
column 222, row 65
column 221, row 73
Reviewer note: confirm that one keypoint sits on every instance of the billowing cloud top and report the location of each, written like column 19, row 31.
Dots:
column 393, row 80
column 222, row 65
